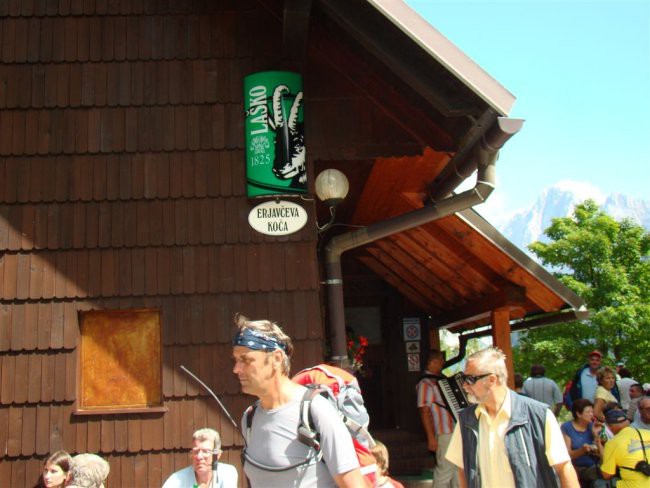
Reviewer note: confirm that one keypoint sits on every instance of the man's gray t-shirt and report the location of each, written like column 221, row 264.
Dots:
column 543, row 390
column 273, row 441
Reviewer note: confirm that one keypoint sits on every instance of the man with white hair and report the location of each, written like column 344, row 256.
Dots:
column 87, row 471
column 506, row 439
column 206, row 471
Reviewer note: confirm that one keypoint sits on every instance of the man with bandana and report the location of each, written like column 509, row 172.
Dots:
column 275, row 454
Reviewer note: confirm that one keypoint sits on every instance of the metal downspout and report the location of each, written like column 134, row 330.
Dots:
column 484, row 153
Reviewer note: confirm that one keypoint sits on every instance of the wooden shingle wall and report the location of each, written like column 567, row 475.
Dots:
column 122, row 186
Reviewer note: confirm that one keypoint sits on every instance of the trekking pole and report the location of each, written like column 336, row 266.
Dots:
column 234, row 424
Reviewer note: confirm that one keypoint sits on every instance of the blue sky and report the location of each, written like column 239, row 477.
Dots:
column 581, row 73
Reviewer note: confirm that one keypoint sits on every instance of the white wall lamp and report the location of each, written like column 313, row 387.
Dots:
column 331, row 188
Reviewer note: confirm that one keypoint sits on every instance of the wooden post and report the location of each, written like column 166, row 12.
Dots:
column 501, row 339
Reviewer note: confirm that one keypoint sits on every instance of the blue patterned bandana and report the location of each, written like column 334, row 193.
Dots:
column 257, row 341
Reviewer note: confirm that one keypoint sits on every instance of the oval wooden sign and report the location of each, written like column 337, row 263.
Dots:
column 277, row 218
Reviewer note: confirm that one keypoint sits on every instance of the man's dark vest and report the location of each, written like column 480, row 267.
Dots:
column 524, row 442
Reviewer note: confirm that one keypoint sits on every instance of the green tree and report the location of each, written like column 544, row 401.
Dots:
column 607, row 263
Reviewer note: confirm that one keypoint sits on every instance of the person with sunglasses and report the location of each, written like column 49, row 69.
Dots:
column 506, row 440
column 205, row 471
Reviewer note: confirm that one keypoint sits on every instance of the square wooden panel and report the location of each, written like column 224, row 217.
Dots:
column 120, row 365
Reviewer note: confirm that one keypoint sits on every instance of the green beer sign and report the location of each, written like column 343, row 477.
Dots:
column 275, row 142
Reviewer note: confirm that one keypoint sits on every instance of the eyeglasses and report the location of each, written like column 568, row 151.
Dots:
column 471, row 379
column 203, row 452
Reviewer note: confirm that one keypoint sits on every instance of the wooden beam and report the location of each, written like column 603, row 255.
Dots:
column 501, row 339
column 401, row 272
column 403, row 288
column 506, row 298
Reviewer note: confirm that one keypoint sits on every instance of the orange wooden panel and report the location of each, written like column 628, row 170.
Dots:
column 8, row 374
column 108, row 273
column 201, row 266
column 71, row 278
column 94, row 272
column 48, row 274
column 78, row 224
column 42, row 437
column 4, row 429
column 14, row 220
column 124, row 268
column 94, row 433
column 188, row 270
column 14, row 434
column 47, row 378
column 62, row 431
column 21, row 379
column 18, row 328
column 10, row 278
column 121, row 434
column 94, row 130
column 138, row 271
column 194, row 221
column 107, row 434
column 23, row 276
column 219, row 220
column 135, row 376
column 70, row 325
column 44, row 324
column 34, row 379
column 30, row 339
column 205, row 211
column 5, row 324
column 59, row 379
column 81, row 435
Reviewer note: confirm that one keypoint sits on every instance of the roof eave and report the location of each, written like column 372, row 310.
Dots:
column 446, row 53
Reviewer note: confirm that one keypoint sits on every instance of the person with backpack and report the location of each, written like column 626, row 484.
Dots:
column 627, row 454
column 437, row 420
column 281, row 451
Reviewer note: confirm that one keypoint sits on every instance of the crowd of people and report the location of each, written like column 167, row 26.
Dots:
column 503, row 438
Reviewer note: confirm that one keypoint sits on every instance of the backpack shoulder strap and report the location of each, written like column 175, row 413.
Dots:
column 250, row 413
column 307, row 433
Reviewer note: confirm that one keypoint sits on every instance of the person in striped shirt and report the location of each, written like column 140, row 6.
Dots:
column 437, row 420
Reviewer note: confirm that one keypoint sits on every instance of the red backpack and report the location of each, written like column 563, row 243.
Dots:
column 342, row 390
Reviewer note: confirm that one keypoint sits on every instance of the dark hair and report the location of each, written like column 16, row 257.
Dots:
column 579, row 406
column 519, row 380
column 611, row 406
column 61, row 459
column 624, row 372
column 537, row 370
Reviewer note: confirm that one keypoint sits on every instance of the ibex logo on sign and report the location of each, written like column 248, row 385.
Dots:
column 275, row 141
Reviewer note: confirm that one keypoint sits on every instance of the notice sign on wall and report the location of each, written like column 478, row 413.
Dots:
column 275, row 142
column 411, row 328
column 413, row 361
column 277, row 218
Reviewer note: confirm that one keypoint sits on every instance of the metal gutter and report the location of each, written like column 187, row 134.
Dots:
column 484, row 152
column 446, row 53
